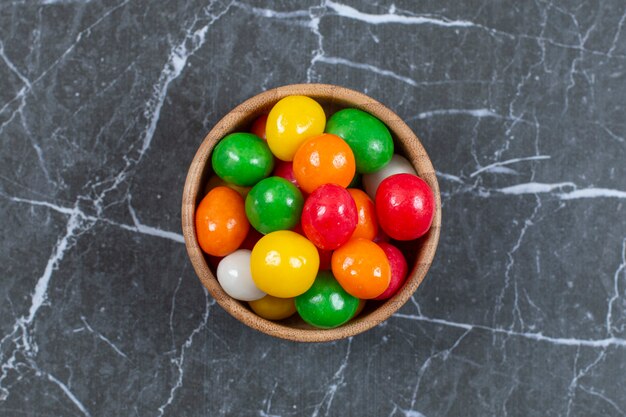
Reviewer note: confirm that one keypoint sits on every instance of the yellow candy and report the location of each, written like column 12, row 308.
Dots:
column 284, row 264
column 291, row 121
column 273, row 308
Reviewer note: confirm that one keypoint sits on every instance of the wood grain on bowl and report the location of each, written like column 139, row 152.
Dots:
column 332, row 98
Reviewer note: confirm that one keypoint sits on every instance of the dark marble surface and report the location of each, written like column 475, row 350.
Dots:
column 520, row 104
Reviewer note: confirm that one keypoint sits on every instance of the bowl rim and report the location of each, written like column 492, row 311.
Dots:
column 403, row 135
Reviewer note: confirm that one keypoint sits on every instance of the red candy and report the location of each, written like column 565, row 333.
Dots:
column 284, row 169
column 329, row 216
column 251, row 239
column 405, row 206
column 399, row 269
column 349, row 228
column 258, row 127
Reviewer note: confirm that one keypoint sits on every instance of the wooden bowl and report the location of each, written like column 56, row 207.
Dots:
column 332, row 98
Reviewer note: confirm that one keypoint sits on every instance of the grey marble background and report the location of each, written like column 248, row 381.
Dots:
column 521, row 106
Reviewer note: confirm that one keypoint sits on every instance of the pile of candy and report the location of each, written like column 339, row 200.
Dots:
column 318, row 243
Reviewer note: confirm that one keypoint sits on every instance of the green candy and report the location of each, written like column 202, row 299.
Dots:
column 274, row 204
column 326, row 304
column 242, row 159
column 367, row 136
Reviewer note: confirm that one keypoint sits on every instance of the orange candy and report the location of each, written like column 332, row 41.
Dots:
column 323, row 159
column 221, row 223
column 362, row 268
column 367, row 226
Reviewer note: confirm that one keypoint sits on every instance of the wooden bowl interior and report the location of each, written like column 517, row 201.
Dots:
column 419, row 253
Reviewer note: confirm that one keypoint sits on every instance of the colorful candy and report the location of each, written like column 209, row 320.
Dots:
column 323, row 159
column 258, row 127
column 399, row 269
column 329, row 216
column 284, row 169
column 367, row 225
column 233, row 274
column 326, row 304
column 362, row 268
column 398, row 165
column 274, row 204
column 405, row 206
column 221, row 223
column 325, row 248
column 273, row 308
column 284, row 264
column 291, row 121
column 368, row 137
column 242, row 159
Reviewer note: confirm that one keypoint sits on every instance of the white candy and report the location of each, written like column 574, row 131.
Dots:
column 397, row 165
column 233, row 274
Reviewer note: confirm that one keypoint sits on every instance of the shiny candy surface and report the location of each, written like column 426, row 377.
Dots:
column 368, row 137
column 323, row 159
column 233, row 274
column 291, row 121
column 405, row 206
column 258, row 127
column 284, row 264
column 326, row 304
column 399, row 269
column 221, row 222
column 274, row 204
column 398, row 165
column 273, row 308
column 367, row 225
column 242, row 159
column 284, row 169
column 329, row 216
column 362, row 268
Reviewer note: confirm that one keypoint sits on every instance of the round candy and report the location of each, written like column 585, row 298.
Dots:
column 362, row 268
column 215, row 181
column 360, row 307
column 367, row 226
column 329, row 216
column 326, row 304
column 258, row 127
column 274, row 204
column 323, row 159
column 221, row 223
column 399, row 269
column 233, row 274
column 242, row 159
column 284, row 264
column 284, row 169
column 368, row 137
column 291, row 121
column 273, row 308
column 405, row 206
column 398, row 165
